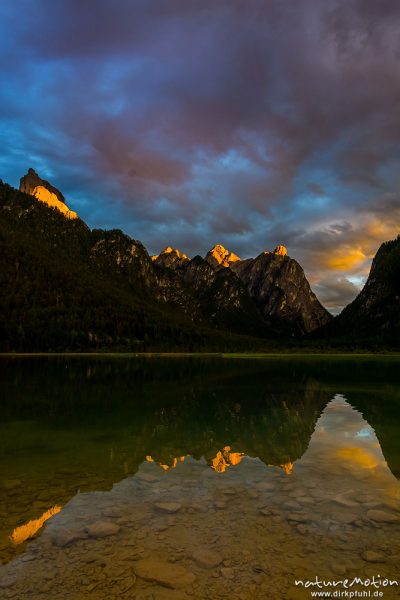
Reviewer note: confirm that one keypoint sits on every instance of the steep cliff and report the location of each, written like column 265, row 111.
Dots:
column 34, row 185
column 281, row 292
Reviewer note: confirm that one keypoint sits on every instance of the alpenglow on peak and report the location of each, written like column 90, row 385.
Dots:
column 43, row 191
column 220, row 256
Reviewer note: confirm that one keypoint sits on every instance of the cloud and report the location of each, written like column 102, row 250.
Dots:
column 190, row 123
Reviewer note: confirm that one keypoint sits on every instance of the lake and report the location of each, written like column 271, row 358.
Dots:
column 158, row 478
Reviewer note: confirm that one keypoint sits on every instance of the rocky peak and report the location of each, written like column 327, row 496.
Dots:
column 41, row 189
column 219, row 256
column 170, row 257
column 280, row 250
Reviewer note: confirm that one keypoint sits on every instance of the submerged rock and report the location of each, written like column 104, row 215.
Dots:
column 166, row 574
column 381, row 516
column 102, row 529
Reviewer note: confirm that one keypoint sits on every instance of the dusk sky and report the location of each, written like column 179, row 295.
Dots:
column 189, row 123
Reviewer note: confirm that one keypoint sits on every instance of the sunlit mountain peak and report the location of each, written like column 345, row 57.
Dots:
column 220, row 256
column 41, row 189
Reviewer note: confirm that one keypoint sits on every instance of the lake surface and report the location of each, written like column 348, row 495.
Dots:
column 206, row 478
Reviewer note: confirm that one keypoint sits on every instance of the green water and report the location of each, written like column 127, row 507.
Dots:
column 196, row 477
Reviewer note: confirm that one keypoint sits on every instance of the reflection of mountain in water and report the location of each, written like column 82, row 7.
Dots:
column 87, row 423
column 164, row 414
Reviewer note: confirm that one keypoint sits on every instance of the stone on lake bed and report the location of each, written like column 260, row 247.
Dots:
column 101, row 529
column 228, row 572
column 338, row 568
column 373, row 557
column 206, row 559
column 62, row 537
column 166, row 574
column 168, row 507
column 298, row 518
column 381, row 516
column 292, row 505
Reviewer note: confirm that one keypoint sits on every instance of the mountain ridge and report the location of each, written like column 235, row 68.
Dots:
column 52, row 263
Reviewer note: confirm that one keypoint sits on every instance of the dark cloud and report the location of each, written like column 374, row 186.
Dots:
column 195, row 121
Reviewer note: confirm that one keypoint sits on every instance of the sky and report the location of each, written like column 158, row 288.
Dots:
column 189, row 123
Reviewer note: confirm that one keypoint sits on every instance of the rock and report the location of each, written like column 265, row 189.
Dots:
column 218, row 256
column 302, row 529
column 381, row 516
column 280, row 250
column 62, row 537
column 291, row 505
column 102, row 529
column 206, row 559
column 295, row 302
column 168, row 507
column 166, row 574
column 171, row 258
column 228, row 572
column 373, row 557
column 34, row 185
column 297, row 518
column 342, row 500
column 338, row 568
column 220, row 505
column 266, row 512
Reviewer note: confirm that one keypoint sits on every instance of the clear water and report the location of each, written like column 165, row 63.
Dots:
column 198, row 478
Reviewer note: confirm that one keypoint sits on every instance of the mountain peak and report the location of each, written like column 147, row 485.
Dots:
column 43, row 191
column 281, row 250
column 219, row 256
column 170, row 257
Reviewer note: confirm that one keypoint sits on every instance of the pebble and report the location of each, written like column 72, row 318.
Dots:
column 64, row 537
column 338, row 568
column 373, row 557
column 206, row 559
column 168, row 507
column 164, row 573
column 297, row 518
column 381, row 516
column 291, row 505
column 228, row 572
column 102, row 529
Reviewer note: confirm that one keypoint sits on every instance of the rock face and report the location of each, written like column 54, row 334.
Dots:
column 171, row 258
column 223, row 297
column 218, row 256
column 34, row 185
column 281, row 292
column 374, row 316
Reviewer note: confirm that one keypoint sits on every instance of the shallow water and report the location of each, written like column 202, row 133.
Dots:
column 197, row 478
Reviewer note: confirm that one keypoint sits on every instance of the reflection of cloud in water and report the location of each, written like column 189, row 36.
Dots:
column 344, row 440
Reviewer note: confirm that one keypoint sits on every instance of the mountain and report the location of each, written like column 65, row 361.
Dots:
column 66, row 287
column 281, row 292
column 374, row 316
